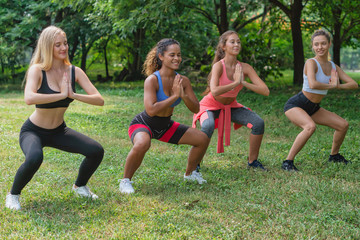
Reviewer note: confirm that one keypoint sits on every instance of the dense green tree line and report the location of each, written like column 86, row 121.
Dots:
column 121, row 32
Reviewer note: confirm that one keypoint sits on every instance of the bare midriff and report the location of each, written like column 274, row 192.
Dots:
column 313, row 97
column 166, row 113
column 224, row 100
column 48, row 118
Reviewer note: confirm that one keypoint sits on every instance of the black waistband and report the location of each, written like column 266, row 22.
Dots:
column 28, row 125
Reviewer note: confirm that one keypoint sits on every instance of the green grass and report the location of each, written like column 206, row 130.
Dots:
column 320, row 202
column 354, row 75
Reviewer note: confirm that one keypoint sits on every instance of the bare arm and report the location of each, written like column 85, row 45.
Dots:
column 257, row 85
column 92, row 97
column 310, row 71
column 152, row 106
column 188, row 96
column 33, row 81
column 349, row 82
column 215, row 89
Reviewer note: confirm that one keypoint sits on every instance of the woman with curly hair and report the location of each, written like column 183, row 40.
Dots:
column 164, row 88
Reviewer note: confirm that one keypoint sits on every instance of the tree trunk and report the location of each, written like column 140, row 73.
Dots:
column 2, row 66
column 86, row 46
column 224, row 24
column 59, row 16
column 74, row 45
column 83, row 53
column 294, row 13
column 83, row 59
column 336, row 36
column 106, row 61
column 336, row 47
column 122, row 75
column 298, row 51
column 106, row 64
column 135, row 67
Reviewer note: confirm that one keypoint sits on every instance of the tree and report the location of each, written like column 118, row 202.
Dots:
column 84, row 26
column 125, row 25
column 237, row 16
column 20, row 24
column 223, row 14
column 138, row 25
column 293, row 11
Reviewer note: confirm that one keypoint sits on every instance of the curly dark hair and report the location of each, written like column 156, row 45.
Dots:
column 153, row 62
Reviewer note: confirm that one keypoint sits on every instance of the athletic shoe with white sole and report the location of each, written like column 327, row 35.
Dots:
column 12, row 201
column 126, row 186
column 195, row 176
column 84, row 191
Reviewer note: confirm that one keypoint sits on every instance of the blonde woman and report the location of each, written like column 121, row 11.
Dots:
column 50, row 86
column 304, row 109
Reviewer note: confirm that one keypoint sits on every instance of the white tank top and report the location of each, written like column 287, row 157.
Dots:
column 319, row 76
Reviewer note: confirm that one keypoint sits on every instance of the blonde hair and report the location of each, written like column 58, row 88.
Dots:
column 219, row 54
column 44, row 51
column 153, row 62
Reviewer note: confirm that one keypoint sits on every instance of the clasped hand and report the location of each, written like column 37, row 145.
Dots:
column 66, row 88
column 334, row 79
column 238, row 75
column 177, row 87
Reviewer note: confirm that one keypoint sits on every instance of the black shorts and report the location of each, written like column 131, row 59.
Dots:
column 301, row 101
column 161, row 128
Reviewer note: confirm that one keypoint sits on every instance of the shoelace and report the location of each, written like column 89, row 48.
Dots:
column 255, row 163
column 87, row 190
column 14, row 200
column 128, row 182
column 199, row 177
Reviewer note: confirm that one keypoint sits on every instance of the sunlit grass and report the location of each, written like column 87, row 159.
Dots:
column 320, row 202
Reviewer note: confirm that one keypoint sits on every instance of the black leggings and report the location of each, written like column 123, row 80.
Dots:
column 34, row 138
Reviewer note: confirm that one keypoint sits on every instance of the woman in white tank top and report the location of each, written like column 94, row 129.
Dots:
column 304, row 109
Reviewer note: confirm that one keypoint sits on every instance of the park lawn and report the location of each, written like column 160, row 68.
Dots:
column 319, row 202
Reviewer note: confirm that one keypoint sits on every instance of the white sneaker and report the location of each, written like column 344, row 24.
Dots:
column 126, row 186
column 195, row 176
column 12, row 201
column 84, row 191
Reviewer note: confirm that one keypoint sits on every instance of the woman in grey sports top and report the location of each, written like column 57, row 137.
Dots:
column 304, row 109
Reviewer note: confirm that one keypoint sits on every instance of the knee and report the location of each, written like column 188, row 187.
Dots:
column 344, row 126
column 259, row 127
column 310, row 128
column 33, row 161
column 96, row 152
column 203, row 139
column 142, row 146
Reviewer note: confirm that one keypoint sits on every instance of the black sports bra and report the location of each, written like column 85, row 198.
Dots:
column 45, row 89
